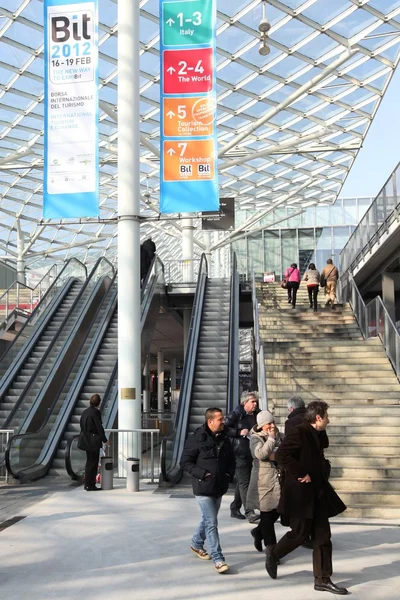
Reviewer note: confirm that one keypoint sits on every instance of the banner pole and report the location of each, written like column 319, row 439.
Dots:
column 129, row 331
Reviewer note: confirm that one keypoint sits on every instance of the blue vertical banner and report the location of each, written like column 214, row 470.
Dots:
column 189, row 148
column 71, row 145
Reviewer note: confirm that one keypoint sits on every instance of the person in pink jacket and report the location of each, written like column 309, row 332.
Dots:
column 292, row 277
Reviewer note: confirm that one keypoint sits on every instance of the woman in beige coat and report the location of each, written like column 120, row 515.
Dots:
column 264, row 490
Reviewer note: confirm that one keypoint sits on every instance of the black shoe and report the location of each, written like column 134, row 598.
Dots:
column 236, row 514
column 329, row 586
column 311, row 305
column 315, row 310
column 257, row 539
column 293, row 306
column 333, row 307
column 92, row 488
column 271, row 563
column 252, row 517
column 289, row 301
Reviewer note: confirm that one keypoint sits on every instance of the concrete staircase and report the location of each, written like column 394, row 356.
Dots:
column 324, row 356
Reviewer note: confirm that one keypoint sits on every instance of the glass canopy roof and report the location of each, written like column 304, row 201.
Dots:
column 284, row 136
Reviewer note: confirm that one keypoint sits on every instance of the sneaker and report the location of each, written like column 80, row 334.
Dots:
column 221, row 567
column 202, row 554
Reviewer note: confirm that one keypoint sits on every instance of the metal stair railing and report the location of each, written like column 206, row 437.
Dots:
column 374, row 320
column 259, row 348
column 233, row 358
column 40, row 317
column 171, row 447
column 35, row 294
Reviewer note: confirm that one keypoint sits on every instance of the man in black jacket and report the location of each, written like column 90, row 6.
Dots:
column 91, row 423
column 307, row 498
column 239, row 424
column 208, row 457
column 297, row 410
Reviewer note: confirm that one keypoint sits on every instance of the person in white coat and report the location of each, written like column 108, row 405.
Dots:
column 264, row 490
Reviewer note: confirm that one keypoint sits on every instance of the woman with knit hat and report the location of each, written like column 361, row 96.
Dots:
column 264, row 489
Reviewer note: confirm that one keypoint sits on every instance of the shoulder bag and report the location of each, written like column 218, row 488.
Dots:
column 325, row 279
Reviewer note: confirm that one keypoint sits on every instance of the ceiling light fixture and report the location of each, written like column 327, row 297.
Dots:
column 264, row 27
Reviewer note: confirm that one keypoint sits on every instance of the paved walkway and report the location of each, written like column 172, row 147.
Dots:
column 118, row 546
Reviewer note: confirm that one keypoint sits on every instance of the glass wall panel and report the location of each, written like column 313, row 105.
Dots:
column 306, row 248
column 309, row 219
column 350, row 211
column 240, row 247
column 324, row 246
column 322, row 217
column 340, row 239
column 272, row 252
column 363, row 204
column 289, row 248
column 256, row 252
column 336, row 211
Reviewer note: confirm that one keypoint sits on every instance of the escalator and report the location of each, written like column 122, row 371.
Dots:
column 54, row 358
column 29, row 349
column 211, row 370
column 31, row 456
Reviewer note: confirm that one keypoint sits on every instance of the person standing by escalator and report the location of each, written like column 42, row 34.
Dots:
column 91, row 438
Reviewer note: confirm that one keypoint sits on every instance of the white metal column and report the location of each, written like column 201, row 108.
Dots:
column 20, row 253
column 187, row 250
column 160, row 384
column 146, row 391
column 129, row 332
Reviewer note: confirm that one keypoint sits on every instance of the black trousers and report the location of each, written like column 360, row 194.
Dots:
column 266, row 526
column 313, row 295
column 320, row 531
column 292, row 288
column 243, row 474
column 92, row 463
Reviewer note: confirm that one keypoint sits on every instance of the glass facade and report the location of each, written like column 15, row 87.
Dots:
column 318, row 233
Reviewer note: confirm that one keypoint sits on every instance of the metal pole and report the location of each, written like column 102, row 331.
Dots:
column 160, row 384
column 146, row 391
column 152, row 455
column 187, row 250
column 20, row 254
column 129, row 331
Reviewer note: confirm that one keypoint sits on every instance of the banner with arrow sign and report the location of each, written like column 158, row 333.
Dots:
column 189, row 173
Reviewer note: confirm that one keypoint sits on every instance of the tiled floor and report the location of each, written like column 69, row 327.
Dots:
column 120, row 546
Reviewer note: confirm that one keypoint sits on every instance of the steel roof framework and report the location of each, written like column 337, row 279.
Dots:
column 290, row 124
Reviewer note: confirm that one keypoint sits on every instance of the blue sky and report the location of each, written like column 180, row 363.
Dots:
column 381, row 151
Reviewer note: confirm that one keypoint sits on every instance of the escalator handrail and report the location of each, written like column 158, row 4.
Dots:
column 19, row 360
column 183, row 408
column 233, row 355
column 259, row 348
column 68, row 463
column 52, row 343
column 37, row 307
column 69, row 403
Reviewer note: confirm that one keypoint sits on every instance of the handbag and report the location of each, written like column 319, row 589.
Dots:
column 323, row 279
column 89, row 442
column 284, row 282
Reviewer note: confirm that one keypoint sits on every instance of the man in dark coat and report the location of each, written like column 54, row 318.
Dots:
column 239, row 424
column 91, row 424
column 308, row 499
column 297, row 410
column 208, row 457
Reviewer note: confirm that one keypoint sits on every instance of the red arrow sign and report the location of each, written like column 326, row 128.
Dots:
column 188, row 71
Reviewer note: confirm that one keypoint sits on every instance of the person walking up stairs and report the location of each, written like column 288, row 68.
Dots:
column 323, row 356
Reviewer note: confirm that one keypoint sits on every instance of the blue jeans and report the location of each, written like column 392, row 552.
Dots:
column 208, row 527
